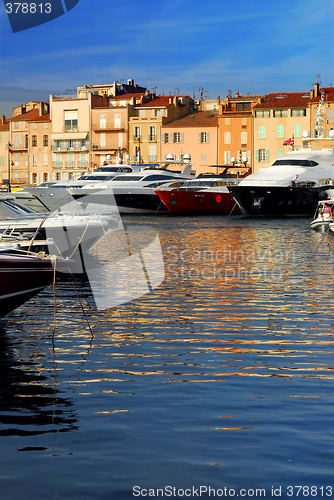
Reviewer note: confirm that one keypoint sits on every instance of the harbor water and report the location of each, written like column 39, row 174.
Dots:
column 216, row 384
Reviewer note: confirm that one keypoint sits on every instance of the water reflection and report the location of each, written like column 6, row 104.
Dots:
column 29, row 404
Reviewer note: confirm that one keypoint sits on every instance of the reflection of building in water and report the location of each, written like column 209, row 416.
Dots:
column 29, row 405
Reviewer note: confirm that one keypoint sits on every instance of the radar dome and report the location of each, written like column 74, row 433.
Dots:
column 306, row 134
column 186, row 157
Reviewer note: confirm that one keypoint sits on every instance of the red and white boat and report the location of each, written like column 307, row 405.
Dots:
column 206, row 194
column 22, row 277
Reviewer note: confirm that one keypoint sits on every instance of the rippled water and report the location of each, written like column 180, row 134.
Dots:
column 222, row 377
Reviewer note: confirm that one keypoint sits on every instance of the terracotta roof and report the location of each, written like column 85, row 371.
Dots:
column 285, row 100
column 197, row 119
column 43, row 118
column 4, row 126
column 160, row 101
column 29, row 115
column 329, row 94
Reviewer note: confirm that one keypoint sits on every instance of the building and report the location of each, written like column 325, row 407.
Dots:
column 4, row 153
column 111, row 89
column 148, row 117
column 277, row 118
column 235, row 130
column 321, row 106
column 110, row 119
column 29, row 131
column 195, row 134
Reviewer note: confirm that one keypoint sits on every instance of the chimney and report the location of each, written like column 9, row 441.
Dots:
column 316, row 89
column 3, row 121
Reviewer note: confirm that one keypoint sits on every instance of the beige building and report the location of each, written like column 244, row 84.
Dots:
column 195, row 134
column 148, row 117
column 110, row 120
column 70, row 137
column 29, row 131
column 277, row 118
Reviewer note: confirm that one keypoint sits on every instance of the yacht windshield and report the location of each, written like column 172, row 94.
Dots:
column 299, row 163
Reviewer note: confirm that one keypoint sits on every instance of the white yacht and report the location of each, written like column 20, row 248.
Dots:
column 292, row 186
column 131, row 192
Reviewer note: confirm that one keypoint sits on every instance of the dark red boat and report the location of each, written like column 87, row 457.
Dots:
column 22, row 277
column 201, row 195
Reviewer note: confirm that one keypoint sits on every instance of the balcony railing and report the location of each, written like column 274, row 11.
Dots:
column 109, row 127
column 17, row 146
column 65, row 149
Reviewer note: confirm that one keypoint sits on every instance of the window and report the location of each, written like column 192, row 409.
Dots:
column 279, row 153
column 120, row 139
column 45, row 159
column 72, row 143
column 17, row 160
column 203, row 159
column 280, row 113
column 71, row 120
column 243, row 137
column 297, row 131
column 265, row 113
column 227, row 121
column 45, row 177
column 262, row 132
column 70, row 160
column 45, row 140
column 102, row 140
column 83, row 160
column 329, row 115
column 178, row 137
column 262, row 155
column 103, row 121
column 16, row 124
column 227, row 137
column 243, row 121
column 242, row 106
column 152, row 136
column 45, row 125
column 137, row 132
column 34, row 178
column 26, row 160
column 227, row 157
column 34, row 160
column 2, row 161
column 280, row 131
column 0, row 137
column 152, row 153
column 16, row 141
column 142, row 113
column 58, row 176
column 298, row 112
column 164, row 138
column 203, row 137
column 34, row 126
column 117, row 120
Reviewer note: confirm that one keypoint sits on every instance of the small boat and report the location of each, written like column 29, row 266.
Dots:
column 206, row 194
column 22, row 277
column 324, row 215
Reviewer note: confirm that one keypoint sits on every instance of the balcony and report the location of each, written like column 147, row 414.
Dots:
column 19, row 146
column 109, row 127
column 65, row 149
column 57, row 164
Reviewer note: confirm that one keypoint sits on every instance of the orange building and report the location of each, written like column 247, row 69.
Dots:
column 235, row 129
column 4, row 155
column 194, row 134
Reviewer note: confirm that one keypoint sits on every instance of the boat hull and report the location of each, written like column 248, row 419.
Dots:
column 265, row 201
column 21, row 278
column 127, row 202
column 198, row 202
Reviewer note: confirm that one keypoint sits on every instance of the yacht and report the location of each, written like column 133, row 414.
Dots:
column 134, row 193
column 206, row 194
column 42, row 197
column 323, row 216
column 292, row 186
column 63, row 233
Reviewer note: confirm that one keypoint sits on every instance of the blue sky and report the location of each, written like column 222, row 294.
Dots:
column 255, row 46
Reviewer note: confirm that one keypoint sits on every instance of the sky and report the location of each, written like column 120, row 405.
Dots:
column 181, row 47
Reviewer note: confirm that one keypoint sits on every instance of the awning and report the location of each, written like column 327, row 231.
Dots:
column 68, row 135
